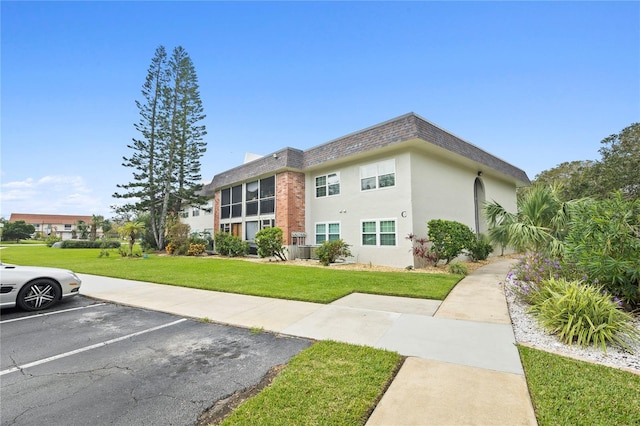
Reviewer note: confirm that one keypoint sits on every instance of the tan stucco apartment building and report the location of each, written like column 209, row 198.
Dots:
column 371, row 188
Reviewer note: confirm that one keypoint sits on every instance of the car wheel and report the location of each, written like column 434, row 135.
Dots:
column 38, row 294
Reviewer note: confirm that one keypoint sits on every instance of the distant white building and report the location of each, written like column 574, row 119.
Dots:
column 199, row 218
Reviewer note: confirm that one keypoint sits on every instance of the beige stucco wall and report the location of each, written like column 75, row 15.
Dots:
column 353, row 206
column 444, row 189
column 428, row 186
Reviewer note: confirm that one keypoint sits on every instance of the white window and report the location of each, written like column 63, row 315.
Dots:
column 208, row 209
column 184, row 213
column 67, row 227
column 328, row 185
column 327, row 232
column 378, row 175
column 378, row 233
column 195, row 212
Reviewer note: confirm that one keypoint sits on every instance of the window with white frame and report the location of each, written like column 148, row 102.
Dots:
column 378, row 175
column 379, row 232
column 328, row 185
column 328, row 231
column 195, row 212
column 208, row 209
column 67, row 227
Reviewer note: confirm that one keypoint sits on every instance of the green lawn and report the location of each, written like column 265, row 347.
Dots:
column 565, row 391
column 279, row 280
column 328, row 383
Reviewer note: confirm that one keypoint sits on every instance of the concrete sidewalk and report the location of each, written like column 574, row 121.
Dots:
column 463, row 366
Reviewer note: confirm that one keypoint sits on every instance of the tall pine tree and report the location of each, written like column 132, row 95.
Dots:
column 166, row 157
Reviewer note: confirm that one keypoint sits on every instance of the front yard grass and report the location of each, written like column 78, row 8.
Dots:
column 328, row 383
column 565, row 391
column 278, row 280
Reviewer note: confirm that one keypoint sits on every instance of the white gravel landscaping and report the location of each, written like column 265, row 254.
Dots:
column 528, row 332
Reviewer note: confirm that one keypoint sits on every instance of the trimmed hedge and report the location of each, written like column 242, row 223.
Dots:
column 90, row 244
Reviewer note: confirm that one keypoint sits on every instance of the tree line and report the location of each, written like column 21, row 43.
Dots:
column 618, row 169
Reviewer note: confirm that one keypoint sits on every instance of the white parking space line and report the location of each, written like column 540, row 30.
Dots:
column 87, row 348
column 51, row 313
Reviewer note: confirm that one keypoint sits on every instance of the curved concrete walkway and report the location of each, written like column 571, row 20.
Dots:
column 462, row 368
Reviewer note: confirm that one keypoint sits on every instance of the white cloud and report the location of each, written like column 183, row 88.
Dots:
column 55, row 194
column 28, row 183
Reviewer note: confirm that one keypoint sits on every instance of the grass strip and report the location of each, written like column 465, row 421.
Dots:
column 278, row 280
column 565, row 391
column 328, row 383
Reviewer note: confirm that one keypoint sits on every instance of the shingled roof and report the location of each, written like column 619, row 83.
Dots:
column 405, row 128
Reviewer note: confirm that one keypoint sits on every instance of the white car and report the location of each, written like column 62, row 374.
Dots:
column 33, row 288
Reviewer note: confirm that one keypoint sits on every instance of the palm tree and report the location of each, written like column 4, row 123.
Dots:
column 540, row 224
column 96, row 222
column 131, row 230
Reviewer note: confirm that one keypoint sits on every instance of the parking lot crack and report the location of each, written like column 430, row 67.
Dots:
column 18, row 367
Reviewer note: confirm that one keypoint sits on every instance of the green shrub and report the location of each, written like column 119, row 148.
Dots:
column 178, row 239
column 52, row 239
column 90, row 244
column 329, row 251
column 269, row 242
column 479, row 248
column 230, row 245
column 582, row 314
column 449, row 238
column 604, row 243
column 458, row 268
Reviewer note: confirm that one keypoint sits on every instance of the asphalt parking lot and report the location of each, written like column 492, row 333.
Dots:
column 86, row 362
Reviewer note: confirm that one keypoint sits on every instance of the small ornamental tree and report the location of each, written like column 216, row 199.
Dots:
column 131, row 230
column 18, row 230
column 269, row 242
column 449, row 238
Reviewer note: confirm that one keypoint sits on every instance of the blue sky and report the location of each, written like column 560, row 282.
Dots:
column 534, row 83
